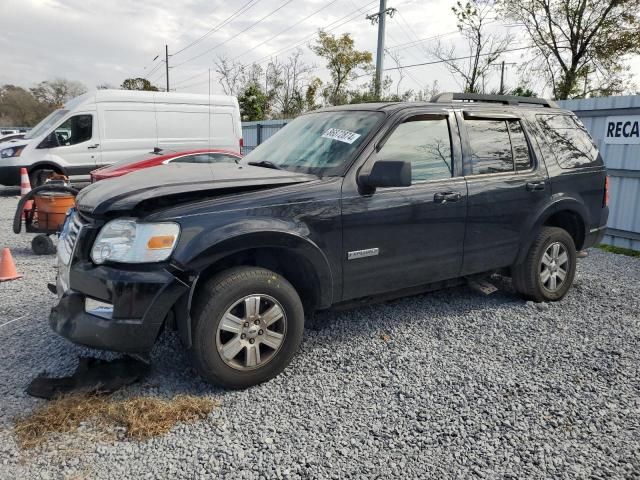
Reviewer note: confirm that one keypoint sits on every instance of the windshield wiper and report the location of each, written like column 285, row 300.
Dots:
column 265, row 164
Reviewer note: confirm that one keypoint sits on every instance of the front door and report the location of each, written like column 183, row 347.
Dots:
column 402, row 237
column 77, row 143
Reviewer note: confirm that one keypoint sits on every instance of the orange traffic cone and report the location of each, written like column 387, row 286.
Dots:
column 7, row 267
column 25, row 187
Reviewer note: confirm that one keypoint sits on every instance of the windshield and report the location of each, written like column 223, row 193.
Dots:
column 46, row 124
column 319, row 143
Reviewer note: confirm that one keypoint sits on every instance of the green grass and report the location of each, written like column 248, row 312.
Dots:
column 620, row 251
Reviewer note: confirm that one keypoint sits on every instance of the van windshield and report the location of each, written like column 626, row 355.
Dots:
column 320, row 143
column 46, row 124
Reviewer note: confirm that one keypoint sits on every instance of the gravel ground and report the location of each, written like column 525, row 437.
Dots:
column 447, row 385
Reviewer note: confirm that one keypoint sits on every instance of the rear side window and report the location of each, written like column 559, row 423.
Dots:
column 497, row 146
column 569, row 140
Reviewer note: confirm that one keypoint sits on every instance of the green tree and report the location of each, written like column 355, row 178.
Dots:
column 19, row 108
column 523, row 91
column 138, row 84
column 579, row 45
column 342, row 61
column 57, row 92
column 253, row 103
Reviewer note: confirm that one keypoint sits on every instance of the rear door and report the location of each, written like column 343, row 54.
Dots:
column 402, row 237
column 506, row 183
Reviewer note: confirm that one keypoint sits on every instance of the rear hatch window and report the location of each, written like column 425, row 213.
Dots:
column 569, row 140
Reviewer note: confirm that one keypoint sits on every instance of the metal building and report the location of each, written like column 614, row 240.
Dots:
column 614, row 124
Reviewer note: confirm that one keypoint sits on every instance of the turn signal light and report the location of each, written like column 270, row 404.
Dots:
column 160, row 242
column 605, row 201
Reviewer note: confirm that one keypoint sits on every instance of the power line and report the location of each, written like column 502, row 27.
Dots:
column 447, row 60
column 236, row 35
column 287, row 29
column 265, row 41
column 226, row 21
column 332, row 26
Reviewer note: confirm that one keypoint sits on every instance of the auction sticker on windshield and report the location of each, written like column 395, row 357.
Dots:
column 341, row 135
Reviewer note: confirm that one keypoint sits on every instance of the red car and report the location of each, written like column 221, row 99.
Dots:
column 162, row 157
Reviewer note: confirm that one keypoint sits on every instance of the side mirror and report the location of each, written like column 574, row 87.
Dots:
column 386, row 173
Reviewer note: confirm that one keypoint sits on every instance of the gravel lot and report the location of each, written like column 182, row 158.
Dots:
column 447, row 385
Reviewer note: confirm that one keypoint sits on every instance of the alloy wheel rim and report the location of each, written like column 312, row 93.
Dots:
column 554, row 267
column 251, row 332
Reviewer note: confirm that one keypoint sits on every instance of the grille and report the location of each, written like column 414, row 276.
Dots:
column 69, row 237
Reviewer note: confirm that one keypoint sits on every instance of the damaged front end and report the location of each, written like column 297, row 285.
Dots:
column 117, row 283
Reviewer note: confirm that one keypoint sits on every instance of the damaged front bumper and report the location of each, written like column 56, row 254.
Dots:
column 140, row 301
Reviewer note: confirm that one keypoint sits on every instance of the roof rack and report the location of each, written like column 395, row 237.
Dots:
column 449, row 97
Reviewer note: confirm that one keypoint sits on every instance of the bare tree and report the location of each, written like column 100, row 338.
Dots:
column 484, row 46
column 231, row 75
column 57, row 91
column 287, row 83
column 397, row 59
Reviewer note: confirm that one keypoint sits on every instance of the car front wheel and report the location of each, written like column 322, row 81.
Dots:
column 248, row 324
column 548, row 270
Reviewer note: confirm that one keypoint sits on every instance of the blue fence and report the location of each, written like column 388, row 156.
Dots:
column 254, row 133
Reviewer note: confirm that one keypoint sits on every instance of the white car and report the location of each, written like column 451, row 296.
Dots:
column 106, row 126
column 11, row 136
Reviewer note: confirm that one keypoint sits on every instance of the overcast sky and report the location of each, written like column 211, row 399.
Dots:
column 98, row 42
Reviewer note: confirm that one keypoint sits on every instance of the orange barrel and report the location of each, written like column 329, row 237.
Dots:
column 52, row 208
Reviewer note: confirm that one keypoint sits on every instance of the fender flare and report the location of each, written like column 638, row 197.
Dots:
column 46, row 163
column 250, row 240
column 557, row 205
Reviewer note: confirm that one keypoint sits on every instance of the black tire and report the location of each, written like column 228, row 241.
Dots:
column 219, row 295
column 526, row 276
column 42, row 245
column 39, row 176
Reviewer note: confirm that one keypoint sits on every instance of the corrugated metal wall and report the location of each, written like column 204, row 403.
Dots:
column 254, row 133
column 623, row 165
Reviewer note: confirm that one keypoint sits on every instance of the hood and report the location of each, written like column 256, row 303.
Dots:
column 174, row 183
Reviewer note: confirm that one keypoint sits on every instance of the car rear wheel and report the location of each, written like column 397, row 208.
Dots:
column 549, row 268
column 248, row 324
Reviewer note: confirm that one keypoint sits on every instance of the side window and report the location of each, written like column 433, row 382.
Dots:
column 571, row 143
column 490, row 146
column 74, row 130
column 520, row 146
column 426, row 143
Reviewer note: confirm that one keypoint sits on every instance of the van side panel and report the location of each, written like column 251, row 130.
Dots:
column 127, row 129
column 188, row 127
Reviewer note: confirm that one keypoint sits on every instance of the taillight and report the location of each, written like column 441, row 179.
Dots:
column 241, row 143
column 605, row 200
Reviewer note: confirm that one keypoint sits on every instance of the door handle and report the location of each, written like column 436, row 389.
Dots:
column 444, row 197
column 91, row 147
column 535, row 186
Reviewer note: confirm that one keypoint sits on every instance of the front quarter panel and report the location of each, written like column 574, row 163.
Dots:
column 305, row 219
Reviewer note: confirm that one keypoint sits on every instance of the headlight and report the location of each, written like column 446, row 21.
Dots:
column 126, row 241
column 11, row 152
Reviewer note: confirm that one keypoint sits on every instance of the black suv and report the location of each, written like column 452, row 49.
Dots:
column 343, row 204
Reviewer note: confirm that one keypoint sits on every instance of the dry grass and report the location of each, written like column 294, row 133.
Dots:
column 141, row 417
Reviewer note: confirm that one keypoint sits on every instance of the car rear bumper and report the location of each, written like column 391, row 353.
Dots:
column 141, row 301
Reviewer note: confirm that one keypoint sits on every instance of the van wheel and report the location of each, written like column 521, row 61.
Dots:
column 547, row 272
column 248, row 324
column 40, row 176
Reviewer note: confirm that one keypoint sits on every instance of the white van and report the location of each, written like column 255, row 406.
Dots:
column 103, row 127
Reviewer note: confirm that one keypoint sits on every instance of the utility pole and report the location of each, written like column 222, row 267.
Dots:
column 502, row 78
column 166, row 63
column 380, row 19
